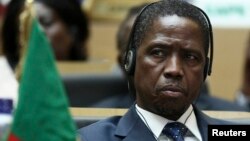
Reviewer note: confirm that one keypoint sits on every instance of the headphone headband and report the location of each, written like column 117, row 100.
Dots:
column 211, row 43
column 130, row 55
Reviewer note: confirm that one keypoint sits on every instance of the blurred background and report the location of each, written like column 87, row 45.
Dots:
column 230, row 21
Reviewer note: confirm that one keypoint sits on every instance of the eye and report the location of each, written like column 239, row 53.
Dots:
column 158, row 52
column 192, row 58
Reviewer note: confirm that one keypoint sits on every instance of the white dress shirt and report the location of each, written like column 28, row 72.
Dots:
column 156, row 123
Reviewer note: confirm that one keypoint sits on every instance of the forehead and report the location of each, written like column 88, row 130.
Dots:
column 175, row 27
column 174, row 23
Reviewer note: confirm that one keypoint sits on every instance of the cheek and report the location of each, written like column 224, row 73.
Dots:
column 194, row 80
column 146, row 74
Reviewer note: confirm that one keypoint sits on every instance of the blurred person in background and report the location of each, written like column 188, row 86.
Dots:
column 2, row 9
column 63, row 21
column 122, row 35
column 205, row 101
column 8, row 86
column 66, row 26
column 243, row 95
column 10, row 31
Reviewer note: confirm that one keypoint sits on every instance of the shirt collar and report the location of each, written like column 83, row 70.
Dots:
column 156, row 123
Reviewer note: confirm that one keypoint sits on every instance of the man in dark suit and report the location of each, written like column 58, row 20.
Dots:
column 206, row 100
column 167, row 61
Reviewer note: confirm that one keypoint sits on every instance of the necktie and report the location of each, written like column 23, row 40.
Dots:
column 175, row 131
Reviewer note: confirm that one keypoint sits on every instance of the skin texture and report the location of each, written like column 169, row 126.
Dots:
column 56, row 31
column 169, row 66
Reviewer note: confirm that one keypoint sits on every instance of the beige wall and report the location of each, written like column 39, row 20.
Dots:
column 229, row 49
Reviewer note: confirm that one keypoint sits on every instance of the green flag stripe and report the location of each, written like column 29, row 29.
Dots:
column 42, row 113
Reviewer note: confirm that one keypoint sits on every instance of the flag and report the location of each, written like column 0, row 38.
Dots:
column 42, row 112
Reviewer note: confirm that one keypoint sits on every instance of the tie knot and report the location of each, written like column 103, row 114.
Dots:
column 175, row 131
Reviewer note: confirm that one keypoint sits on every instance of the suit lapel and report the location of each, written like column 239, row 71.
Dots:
column 203, row 121
column 131, row 127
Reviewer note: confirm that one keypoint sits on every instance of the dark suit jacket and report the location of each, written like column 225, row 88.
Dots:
column 130, row 127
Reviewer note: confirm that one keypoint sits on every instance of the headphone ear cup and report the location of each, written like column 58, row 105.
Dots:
column 129, row 65
column 206, row 68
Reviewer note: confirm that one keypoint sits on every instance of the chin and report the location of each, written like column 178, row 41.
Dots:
column 171, row 109
column 170, row 112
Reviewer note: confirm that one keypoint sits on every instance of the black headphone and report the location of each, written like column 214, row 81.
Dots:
column 130, row 55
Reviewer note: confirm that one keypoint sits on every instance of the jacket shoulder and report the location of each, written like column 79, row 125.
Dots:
column 102, row 130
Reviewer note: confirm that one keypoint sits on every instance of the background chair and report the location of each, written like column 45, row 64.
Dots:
column 97, row 90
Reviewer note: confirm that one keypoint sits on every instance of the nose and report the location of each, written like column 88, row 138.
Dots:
column 173, row 67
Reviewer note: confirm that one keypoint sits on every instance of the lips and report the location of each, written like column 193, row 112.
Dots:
column 171, row 90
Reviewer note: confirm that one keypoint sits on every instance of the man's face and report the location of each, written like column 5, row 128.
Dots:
column 169, row 66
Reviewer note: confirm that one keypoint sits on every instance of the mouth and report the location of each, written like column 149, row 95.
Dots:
column 171, row 91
